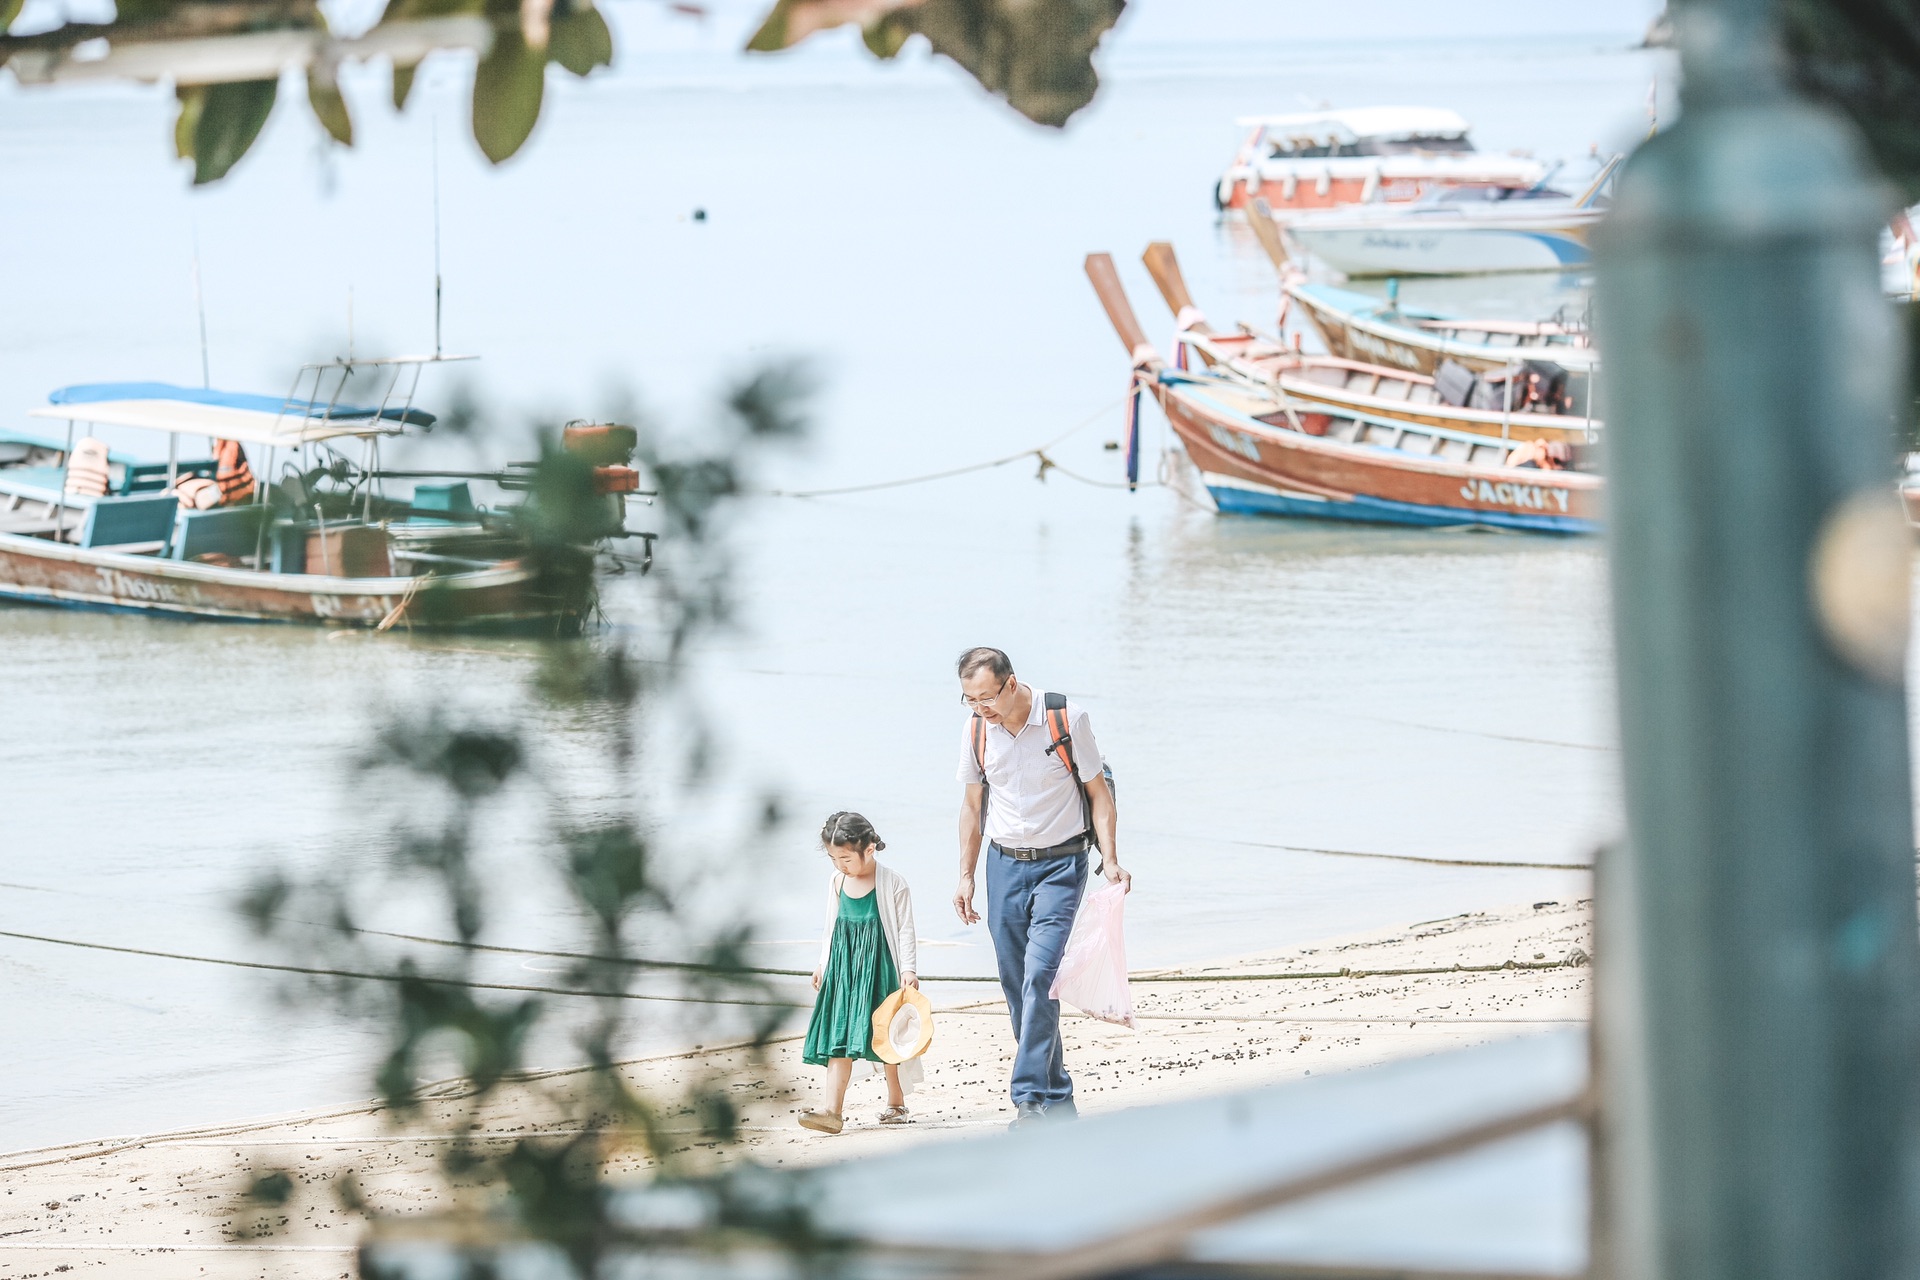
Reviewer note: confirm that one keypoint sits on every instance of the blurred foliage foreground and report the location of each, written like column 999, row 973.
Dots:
column 225, row 57
column 603, row 738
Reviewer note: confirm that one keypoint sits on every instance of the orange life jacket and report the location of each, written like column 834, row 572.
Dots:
column 231, row 472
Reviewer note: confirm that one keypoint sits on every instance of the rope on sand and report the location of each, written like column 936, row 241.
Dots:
column 452, row 1090
column 1414, row 857
column 1573, row 960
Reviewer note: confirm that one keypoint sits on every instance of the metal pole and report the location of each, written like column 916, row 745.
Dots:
column 1506, row 408
column 200, row 308
column 436, row 237
column 1757, row 955
column 60, row 507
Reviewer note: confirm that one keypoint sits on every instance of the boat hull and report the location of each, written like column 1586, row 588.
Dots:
column 1323, row 389
column 509, row 597
column 1252, row 468
column 1295, row 187
column 1414, row 250
column 1354, row 335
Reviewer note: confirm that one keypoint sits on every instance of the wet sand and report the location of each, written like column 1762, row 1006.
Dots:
column 164, row 1205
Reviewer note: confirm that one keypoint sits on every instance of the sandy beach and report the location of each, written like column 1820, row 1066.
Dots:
column 164, row 1204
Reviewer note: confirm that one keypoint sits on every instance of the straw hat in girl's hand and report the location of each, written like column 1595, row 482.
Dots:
column 902, row 1026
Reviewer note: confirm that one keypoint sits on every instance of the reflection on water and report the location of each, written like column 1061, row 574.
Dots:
column 1256, row 683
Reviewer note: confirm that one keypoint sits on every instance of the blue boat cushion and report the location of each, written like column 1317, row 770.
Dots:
column 226, row 531
column 446, row 501
column 113, row 522
column 39, row 484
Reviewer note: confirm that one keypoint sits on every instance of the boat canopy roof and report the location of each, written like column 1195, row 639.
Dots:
column 1388, row 124
column 229, row 415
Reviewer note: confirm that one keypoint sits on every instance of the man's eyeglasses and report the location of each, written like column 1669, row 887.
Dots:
column 977, row 703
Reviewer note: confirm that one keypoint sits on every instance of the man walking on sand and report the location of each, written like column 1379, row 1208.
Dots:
column 1039, row 820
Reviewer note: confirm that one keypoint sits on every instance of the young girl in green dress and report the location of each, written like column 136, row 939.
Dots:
column 868, row 954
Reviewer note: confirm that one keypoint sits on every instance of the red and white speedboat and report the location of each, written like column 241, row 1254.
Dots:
column 1390, row 155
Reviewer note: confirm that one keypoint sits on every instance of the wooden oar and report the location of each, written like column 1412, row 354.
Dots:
column 1267, row 232
column 1164, row 267
column 1113, row 296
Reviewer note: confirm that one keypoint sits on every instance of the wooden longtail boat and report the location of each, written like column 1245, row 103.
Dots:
column 1358, row 327
column 320, row 546
column 1331, row 393
column 1254, row 458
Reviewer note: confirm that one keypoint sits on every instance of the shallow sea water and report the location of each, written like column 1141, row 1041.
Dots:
column 1263, row 688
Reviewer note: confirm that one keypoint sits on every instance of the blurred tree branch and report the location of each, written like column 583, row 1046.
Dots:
column 1037, row 55
column 438, row 785
column 225, row 57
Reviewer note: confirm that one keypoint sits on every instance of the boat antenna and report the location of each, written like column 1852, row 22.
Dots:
column 200, row 306
column 436, row 237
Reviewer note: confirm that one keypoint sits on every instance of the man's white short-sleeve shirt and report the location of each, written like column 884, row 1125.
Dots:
column 1031, row 802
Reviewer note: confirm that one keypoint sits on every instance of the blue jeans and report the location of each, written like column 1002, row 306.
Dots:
column 1030, row 910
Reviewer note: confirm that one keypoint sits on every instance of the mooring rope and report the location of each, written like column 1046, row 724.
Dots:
column 364, row 976
column 1039, row 453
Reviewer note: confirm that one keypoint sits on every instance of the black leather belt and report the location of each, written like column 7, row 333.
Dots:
column 1065, row 849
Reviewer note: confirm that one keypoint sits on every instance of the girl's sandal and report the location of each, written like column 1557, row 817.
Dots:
column 895, row 1115
column 822, row 1122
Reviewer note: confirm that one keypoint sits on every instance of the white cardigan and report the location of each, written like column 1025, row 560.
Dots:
column 896, row 923
column 896, row 916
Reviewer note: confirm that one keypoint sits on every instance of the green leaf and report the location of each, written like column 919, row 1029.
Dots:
column 506, row 95
column 327, row 103
column 231, row 117
column 1038, row 57
column 1035, row 54
column 580, row 41
column 9, row 10
column 187, row 122
column 773, row 33
column 130, row 13
column 886, row 37
column 402, row 86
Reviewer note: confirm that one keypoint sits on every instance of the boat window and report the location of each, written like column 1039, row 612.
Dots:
column 1313, row 149
column 1415, row 146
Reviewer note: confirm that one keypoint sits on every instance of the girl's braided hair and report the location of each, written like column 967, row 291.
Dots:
column 849, row 828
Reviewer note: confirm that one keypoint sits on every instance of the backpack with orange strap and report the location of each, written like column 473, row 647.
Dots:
column 1060, row 732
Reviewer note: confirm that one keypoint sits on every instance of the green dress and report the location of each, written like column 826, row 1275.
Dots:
column 860, row 975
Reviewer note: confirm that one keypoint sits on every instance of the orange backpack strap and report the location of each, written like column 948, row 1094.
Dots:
column 977, row 739
column 1060, row 733
column 1060, row 742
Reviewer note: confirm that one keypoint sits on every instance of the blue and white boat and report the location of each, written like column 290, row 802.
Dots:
column 1462, row 231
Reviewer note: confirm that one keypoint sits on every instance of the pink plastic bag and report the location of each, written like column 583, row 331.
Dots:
column 1093, row 973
